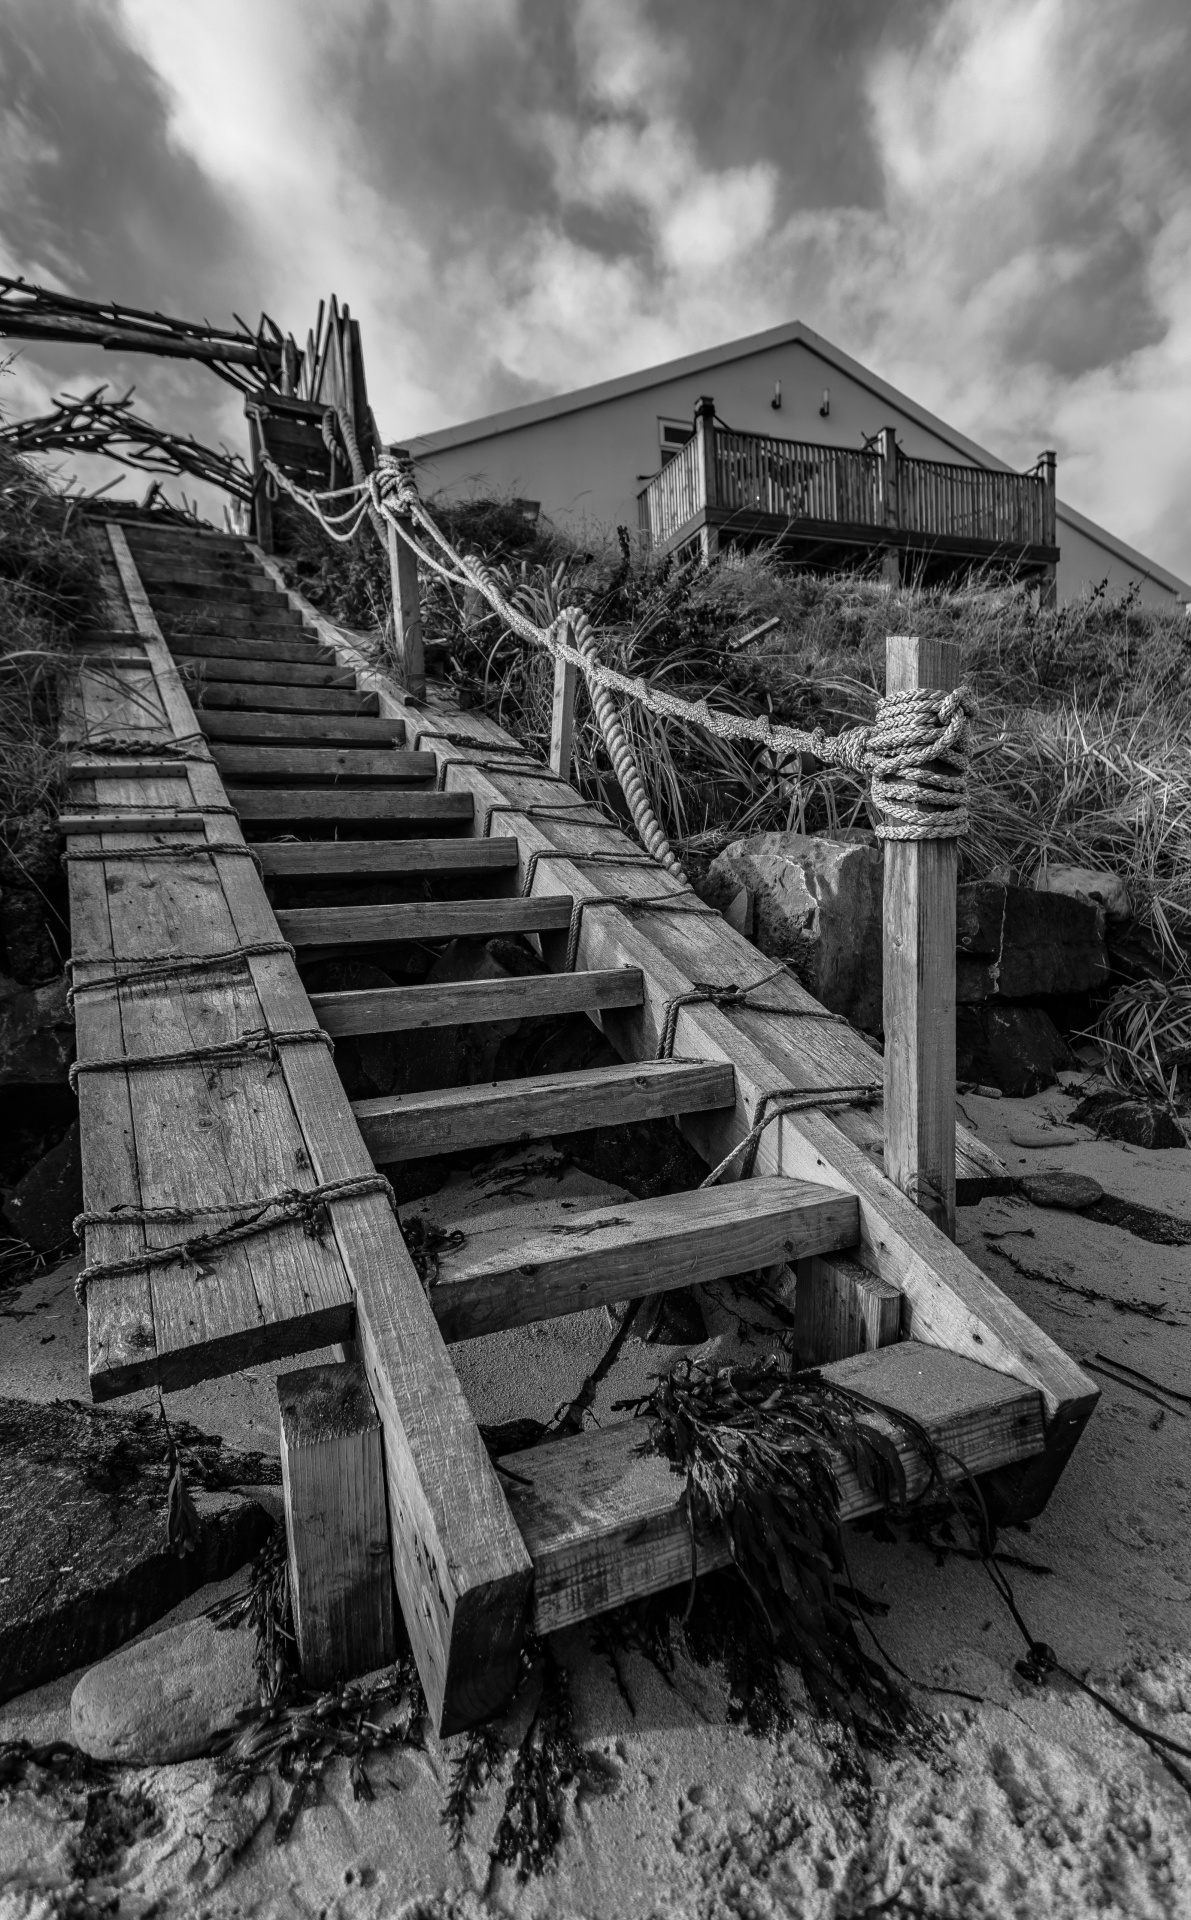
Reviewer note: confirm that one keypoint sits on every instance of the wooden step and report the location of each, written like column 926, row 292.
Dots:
column 192, row 616
column 450, row 1003
column 316, row 729
column 296, row 806
column 415, row 1126
column 504, row 1276
column 606, row 1523
column 217, row 646
column 265, row 699
column 173, row 576
column 428, row 920
column 318, row 764
column 338, row 859
column 272, row 673
column 201, row 588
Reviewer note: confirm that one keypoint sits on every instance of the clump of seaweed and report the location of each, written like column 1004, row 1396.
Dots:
column 547, row 1762
column 264, row 1605
column 472, row 1770
column 760, row 1451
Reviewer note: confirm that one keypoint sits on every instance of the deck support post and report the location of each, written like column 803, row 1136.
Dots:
column 333, row 1475
column 407, row 609
column 919, row 978
column 840, row 1309
column 709, row 534
column 562, row 717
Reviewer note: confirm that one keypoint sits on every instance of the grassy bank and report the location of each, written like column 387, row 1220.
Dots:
column 1083, row 749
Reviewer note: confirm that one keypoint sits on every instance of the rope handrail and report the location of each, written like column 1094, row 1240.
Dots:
column 915, row 752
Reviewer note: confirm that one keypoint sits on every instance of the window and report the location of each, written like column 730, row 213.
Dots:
column 674, row 435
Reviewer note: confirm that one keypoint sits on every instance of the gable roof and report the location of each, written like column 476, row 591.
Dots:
column 791, row 333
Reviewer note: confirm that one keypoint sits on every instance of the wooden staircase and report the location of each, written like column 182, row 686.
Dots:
column 330, row 786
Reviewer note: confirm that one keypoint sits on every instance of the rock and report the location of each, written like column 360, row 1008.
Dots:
column 31, row 954
column 817, row 903
column 1018, row 1049
column 1142, row 1123
column 1104, row 890
column 84, row 1563
column 165, row 1698
column 1058, row 1188
column 42, row 1207
column 30, row 851
column 1016, row 944
column 36, row 1034
column 1028, row 1136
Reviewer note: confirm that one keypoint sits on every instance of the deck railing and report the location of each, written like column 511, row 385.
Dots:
column 877, row 488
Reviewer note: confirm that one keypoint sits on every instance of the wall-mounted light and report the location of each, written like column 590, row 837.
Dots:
column 825, row 409
column 776, row 402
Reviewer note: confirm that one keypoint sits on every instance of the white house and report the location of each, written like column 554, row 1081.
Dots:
column 806, row 444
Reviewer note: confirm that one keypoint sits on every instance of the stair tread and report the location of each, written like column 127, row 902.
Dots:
column 317, row 729
column 331, row 763
column 337, row 858
column 468, row 1002
column 606, row 1523
column 415, row 1126
column 575, row 1257
column 424, row 919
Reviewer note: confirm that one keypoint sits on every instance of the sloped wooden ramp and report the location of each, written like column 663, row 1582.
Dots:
column 219, row 704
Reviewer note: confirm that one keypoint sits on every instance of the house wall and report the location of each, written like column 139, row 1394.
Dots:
column 587, row 466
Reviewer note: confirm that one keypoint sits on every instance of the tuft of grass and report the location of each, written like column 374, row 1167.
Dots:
column 48, row 591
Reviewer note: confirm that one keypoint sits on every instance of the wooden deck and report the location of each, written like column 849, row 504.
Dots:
column 588, row 1524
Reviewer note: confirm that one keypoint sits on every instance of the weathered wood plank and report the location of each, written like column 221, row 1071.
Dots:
column 257, row 697
column 413, row 1126
column 470, row 1002
column 217, row 669
column 295, row 806
column 605, row 1523
column 503, row 1277
column 321, row 763
column 333, row 1474
column 318, row 729
column 219, row 646
column 339, row 858
column 421, row 920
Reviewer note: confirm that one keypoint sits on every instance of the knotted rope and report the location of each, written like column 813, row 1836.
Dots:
column 256, row 1040
column 306, row 1204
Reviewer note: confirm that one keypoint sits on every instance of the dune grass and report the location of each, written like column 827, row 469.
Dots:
column 1083, row 735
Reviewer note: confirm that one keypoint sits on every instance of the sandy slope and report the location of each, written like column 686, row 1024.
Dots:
column 1035, row 1803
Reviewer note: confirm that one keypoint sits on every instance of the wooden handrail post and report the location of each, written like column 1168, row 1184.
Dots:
column 407, row 609
column 919, row 977
column 562, row 717
column 709, row 535
column 262, row 507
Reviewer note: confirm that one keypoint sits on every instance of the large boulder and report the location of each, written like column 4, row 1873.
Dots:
column 1018, row 1049
column 815, row 902
column 36, row 1034
column 1104, row 890
column 1014, row 943
column 43, row 1205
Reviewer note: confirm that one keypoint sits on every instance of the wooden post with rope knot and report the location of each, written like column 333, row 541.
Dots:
column 919, row 977
column 407, row 609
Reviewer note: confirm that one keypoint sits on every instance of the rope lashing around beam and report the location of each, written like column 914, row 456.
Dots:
column 705, row 993
column 916, row 751
column 178, row 850
column 632, row 904
column 255, row 1041
column 305, row 1204
column 564, row 814
column 177, row 747
column 169, row 966
column 771, row 1106
column 627, row 859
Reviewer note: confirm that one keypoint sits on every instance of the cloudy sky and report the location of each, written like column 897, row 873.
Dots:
column 990, row 204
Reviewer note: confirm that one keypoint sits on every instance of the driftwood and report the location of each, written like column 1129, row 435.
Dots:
column 92, row 423
column 244, row 359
